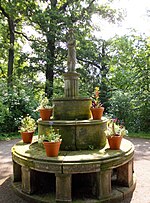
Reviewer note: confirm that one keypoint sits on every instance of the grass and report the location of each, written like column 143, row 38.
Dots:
column 9, row 136
column 140, row 135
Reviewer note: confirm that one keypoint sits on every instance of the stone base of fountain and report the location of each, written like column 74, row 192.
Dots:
column 74, row 176
column 78, row 134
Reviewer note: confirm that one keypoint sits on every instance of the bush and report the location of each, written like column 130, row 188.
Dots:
column 15, row 103
column 134, row 113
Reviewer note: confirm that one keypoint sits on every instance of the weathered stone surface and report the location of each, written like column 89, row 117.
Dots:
column 72, row 109
column 63, row 187
column 16, row 172
column 103, row 184
column 28, row 180
column 71, row 85
column 78, row 168
column 95, row 164
column 125, row 174
column 91, row 136
column 78, row 135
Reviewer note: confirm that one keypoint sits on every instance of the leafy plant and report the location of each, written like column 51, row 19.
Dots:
column 51, row 135
column 28, row 124
column 115, row 128
column 96, row 103
column 45, row 104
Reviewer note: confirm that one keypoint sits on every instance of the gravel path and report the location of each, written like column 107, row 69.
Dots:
column 141, row 167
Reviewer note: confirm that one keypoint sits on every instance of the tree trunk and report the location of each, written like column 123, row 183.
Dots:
column 50, row 55
column 11, row 27
column 11, row 52
column 50, row 68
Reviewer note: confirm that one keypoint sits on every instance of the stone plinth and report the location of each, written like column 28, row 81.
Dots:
column 71, row 89
column 72, row 109
column 74, row 176
column 78, row 135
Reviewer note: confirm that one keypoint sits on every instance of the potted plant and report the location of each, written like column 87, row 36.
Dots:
column 27, row 128
column 115, row 131
column 45, row 109
column 96, row 108
column 51, row 140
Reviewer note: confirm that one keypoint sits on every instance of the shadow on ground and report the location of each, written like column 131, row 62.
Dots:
column 7, row 195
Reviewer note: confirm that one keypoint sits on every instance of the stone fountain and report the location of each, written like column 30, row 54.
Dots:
column 72, row 113
column 86, row 170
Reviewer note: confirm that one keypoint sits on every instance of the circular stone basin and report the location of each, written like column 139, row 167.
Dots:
column 99, row 175
column 79, row 134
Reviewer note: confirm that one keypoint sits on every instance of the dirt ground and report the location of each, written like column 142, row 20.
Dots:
column 141, row 168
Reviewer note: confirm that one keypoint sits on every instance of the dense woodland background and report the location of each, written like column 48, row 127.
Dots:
column 119, row 66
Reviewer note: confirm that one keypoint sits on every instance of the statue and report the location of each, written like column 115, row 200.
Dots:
column 71, row 43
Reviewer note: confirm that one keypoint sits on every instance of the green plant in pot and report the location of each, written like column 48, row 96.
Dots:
column 51, row 140
column 115, row 132
column 45, row 108
column 27, row 129
column 96, row 109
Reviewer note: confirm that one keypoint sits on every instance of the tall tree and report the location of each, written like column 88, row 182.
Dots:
column 12, row 17
column 11, row 26
column 129, row 73
column 51, row 19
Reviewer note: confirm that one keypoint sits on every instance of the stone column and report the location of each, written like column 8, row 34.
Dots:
column 125, row 174
column 63, row 187
column 71, row 84
column 28, row 180
column 16, row 172
column 103, row 184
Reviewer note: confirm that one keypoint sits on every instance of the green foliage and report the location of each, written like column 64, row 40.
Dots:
column 45, row 103
column 129, row 73
column 127, row 109
column 9, row 136
column 115, row 128
column 28, row 124
column 140, row 135
column 119, row 67
column 58, row 91
column 18, row 102
column 120, row 107
column 51, row 135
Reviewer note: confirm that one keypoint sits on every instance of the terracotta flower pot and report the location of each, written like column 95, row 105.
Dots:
column 45, row 114
column 27, row 136
column 114, row 142
column 97, row 113
column 52, row 148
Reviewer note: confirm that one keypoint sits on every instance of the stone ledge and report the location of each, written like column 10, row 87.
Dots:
column 35, row 157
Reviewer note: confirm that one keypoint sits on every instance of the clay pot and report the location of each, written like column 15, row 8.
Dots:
column 97, row 113
column 114, row 141
column 45, row 114
column 27, row 136
column 52, row 148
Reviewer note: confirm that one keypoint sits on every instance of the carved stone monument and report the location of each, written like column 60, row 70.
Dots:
column 71, row 43
column 71, row 77
column 86, row 170
column 71, row 106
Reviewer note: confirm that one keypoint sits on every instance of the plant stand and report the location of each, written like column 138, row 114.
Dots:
column 96, row 175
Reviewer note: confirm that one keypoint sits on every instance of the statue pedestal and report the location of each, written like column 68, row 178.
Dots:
column 72, row 108
column 71, row 84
